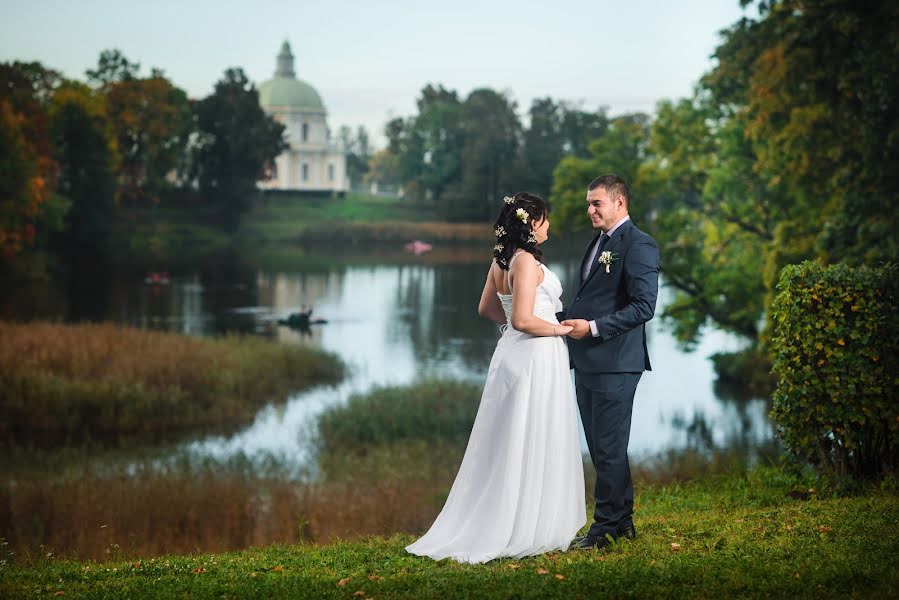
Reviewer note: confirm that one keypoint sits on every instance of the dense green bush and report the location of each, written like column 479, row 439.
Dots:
column 836, row 354
column 430, row 410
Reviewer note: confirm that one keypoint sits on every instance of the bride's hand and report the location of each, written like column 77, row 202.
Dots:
column 562, row 330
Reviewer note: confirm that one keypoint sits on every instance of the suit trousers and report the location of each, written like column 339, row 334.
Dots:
column 606, row 402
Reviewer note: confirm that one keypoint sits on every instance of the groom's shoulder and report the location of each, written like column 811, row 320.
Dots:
column 637, row 235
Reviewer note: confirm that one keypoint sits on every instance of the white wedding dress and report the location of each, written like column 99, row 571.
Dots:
column 520, row 488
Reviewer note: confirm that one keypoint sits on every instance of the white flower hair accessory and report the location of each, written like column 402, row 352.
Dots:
column 499, row 231
column 523, row 215
column 509, row 200
column 499, row 247
column 532, row 238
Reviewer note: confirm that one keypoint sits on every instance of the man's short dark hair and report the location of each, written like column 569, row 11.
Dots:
column 613, row 185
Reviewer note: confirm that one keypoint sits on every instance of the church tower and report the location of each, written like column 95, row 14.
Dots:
column 312, row 163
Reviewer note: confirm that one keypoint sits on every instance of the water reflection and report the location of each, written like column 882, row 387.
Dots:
column 392, row 318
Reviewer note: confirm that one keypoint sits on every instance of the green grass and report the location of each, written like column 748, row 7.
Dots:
column 353, row 219
column 284, row 218
column 738, row 535
column 430, row 410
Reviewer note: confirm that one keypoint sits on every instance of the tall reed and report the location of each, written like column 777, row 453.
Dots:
column 72, row 383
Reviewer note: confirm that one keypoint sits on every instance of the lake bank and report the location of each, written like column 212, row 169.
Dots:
column 741, row 534
column 112, row 385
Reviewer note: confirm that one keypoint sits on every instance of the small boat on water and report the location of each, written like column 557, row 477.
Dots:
column 153, row 278
column 418, row 247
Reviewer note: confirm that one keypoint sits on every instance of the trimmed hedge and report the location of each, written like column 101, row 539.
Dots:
column 836, row 354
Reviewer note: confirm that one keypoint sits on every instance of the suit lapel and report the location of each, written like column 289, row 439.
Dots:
column 587, row 254
column 617, row 237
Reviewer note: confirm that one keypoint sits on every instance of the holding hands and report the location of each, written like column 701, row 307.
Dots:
column 578, row 328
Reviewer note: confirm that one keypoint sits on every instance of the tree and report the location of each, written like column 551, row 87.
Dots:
column 112, row 67
column 579, row 128
column 384, row 169
column 29, row 210
column 491, row 135
column 86, row 153
column 152, row 122
column 358, row 152
column 619, row 150
column 236, row 146
column 543, row 148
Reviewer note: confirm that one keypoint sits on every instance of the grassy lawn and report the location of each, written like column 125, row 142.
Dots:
column 355, row 218
column 283, row 218
column 719, row 536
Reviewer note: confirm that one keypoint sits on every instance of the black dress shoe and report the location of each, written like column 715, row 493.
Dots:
column 627, row 531
column 588, row 542
column 577, row 540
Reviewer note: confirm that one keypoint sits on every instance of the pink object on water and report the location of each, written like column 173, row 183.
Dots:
column 418, row 247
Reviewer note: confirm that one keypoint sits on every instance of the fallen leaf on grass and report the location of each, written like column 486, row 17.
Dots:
column 136, row 565
column 344, row 581
column 542, row 571
column 278, row 568
column 59, row 593
column 254, row 574
column 199, row 570
column 601, row 557
column 374, row 577
column 513, row 566
column 358, row 593
column 559, row 576
column 823, row 528
column 675, row 547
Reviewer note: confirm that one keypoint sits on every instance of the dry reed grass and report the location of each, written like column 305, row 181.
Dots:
column 151, row 512
column 103, row 382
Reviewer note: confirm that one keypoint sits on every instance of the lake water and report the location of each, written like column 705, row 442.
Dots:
column 393, row 318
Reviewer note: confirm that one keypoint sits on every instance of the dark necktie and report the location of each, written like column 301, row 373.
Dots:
column 603, row 238
column 602, row 243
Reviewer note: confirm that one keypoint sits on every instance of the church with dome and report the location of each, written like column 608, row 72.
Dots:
column 313, row 163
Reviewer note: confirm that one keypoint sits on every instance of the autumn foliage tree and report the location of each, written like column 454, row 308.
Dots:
column 28, row 170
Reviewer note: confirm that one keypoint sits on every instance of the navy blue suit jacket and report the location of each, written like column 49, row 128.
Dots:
column 620, row 301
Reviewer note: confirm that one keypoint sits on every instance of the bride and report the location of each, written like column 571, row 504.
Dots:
column 520, row 488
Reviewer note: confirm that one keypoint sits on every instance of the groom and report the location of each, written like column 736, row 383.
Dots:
column 615, row 297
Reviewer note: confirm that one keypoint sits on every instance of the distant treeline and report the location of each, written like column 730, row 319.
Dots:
column 786, row 151
column 77, row 159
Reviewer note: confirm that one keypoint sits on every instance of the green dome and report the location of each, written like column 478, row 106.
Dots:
column 289, row 92
column 284, row 90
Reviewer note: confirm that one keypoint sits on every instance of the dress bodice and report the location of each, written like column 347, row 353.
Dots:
column 547, row 301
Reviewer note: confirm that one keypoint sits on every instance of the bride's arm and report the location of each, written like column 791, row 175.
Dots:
column 490, row 306
column 525, row 275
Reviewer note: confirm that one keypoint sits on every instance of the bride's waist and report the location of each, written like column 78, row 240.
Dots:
column 548, row 317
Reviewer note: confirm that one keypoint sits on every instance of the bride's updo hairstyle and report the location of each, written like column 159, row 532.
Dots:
column 513, row 227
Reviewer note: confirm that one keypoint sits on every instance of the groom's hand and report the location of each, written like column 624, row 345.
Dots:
column 580, row 328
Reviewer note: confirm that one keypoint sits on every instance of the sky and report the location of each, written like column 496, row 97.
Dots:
column 369, row 60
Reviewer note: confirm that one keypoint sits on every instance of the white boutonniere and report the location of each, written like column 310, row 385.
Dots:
column 607, row 258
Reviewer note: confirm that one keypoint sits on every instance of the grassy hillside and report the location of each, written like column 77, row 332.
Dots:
column 721, row 536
